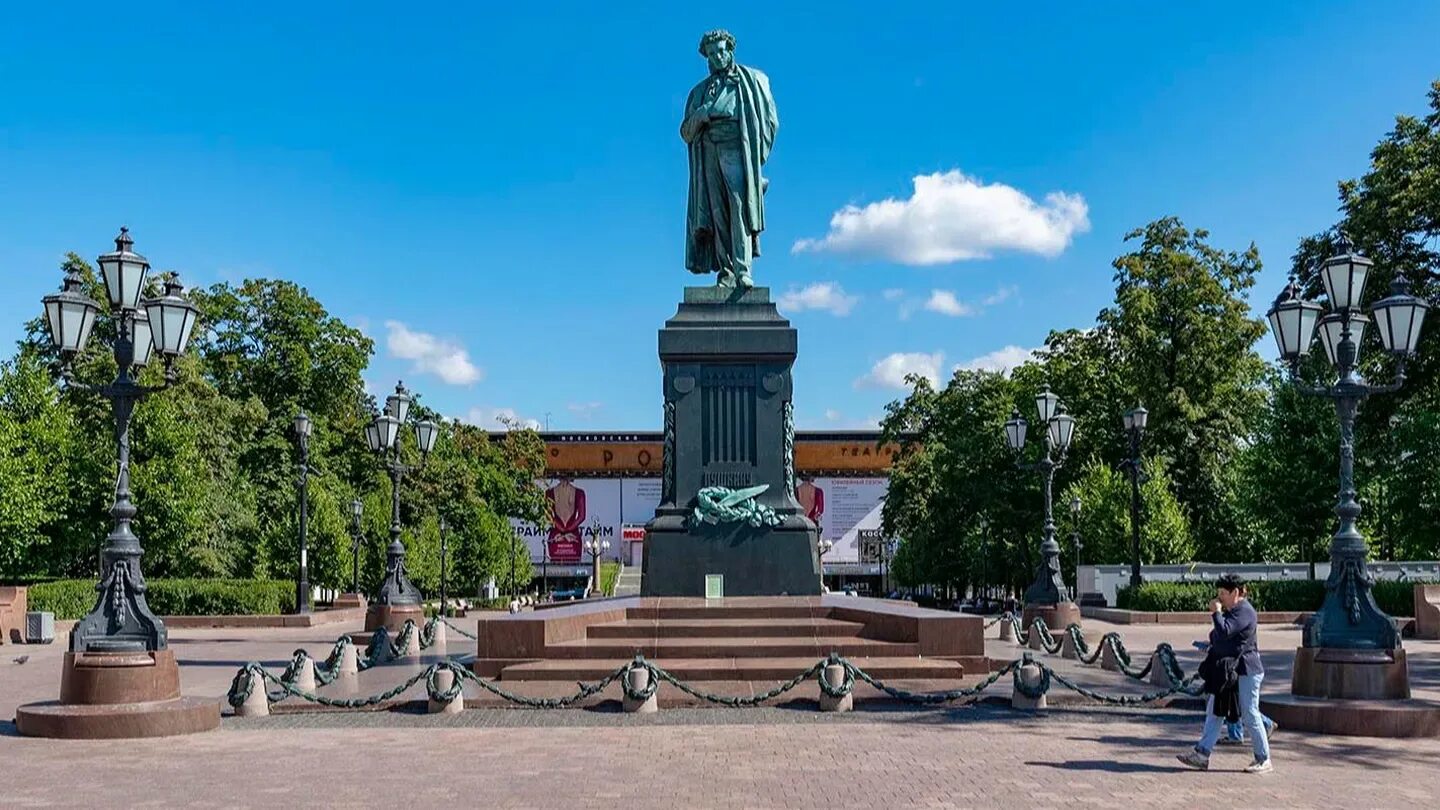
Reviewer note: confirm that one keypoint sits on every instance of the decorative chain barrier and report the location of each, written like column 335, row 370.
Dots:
column 459, row 630
column 243, row 685
column 1164, row 652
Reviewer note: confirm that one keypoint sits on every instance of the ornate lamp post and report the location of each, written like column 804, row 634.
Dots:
column 120, row 647
column 1075, row 539
column 357, row 539
column 1046, row 595
column 595, row 547
column 302, row 576
column 397, row 599
column 1135, row 421
column 444, row 555
column 1350, row 636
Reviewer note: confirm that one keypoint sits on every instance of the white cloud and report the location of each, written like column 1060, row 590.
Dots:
column 584, row 410
column 893, row 294
column 945, row 303
column 951, row 217
column 1001, row 360
column 498, row 420
column 893, row 369
column 823, row 295
column 431, row 355
column 1001, row 295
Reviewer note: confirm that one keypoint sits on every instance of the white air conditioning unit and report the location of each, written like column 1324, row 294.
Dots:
column 39, row 627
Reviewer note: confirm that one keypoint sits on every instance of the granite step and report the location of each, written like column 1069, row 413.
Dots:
column 757, row 610
column 696, row 648
column 726, row 628
column 733, row 669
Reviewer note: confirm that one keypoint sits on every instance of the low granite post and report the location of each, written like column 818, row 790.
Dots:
column 1031, row 676
column 1068, row 648
column 257, row 704
column 1035, row 641
column 1158, row 676
column 437, row 639
column 637, row 679
column 834, row 675
column 412, row 644
column 305, row 676
column 1007, row 630
column 444, row 681
column 1109, row 661
column 349, row 661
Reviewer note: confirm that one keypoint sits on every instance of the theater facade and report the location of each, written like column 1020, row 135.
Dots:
column 607, row 485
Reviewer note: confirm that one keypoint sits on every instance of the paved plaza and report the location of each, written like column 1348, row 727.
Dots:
column 786, row 756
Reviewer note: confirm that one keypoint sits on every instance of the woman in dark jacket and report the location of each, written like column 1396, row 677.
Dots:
column 1233, row 674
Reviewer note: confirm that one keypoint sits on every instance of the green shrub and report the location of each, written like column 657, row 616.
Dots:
column 609, row 574
column 73, row 598
column 1395, row 598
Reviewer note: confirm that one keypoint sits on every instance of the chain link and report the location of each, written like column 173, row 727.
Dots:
column 464, row 633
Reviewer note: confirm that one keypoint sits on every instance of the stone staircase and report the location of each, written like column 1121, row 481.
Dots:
column 739, row 641
column 628, row 583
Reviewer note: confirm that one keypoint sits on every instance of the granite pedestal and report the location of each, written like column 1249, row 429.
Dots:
column 118, row 694
column 729, row 422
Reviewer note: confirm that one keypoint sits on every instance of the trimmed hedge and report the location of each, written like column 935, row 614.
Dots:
column 1395, row 598
column 73, row 598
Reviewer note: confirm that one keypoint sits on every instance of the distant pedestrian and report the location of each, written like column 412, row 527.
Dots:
column 1233, row 673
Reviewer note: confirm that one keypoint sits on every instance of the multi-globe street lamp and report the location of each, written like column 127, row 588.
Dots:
column 120, row 679
column 357, row 539
column 1349, row 619
column 1135, row 420
column 382, row 436
column 444, row 556
column 1048, row 589
column 303, row 428
column 120, row 621
column 595, row 547
column 1075, row 539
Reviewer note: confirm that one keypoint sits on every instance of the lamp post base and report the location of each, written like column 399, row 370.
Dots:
column 1362, row 693
column 1350, row 674
column 351, row 600
column 392, row 617
column 1057, row 617
column 118, row 695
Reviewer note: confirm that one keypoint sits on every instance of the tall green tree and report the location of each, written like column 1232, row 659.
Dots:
column 1184, row 339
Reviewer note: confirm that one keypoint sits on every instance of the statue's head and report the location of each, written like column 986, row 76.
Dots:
column 718, row 48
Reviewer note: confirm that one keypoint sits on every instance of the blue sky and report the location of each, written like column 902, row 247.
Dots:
column 497, row 196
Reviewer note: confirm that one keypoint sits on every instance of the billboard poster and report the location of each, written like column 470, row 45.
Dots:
column 582, row 508
column 848, row 511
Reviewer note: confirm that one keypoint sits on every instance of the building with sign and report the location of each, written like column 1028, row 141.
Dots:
column 607, row 485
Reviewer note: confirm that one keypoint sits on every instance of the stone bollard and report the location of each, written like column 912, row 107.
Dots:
column 258, row 704
column 305, row 676
column 638, row 680
column 1067, row 647
column 834, row 675
column 1108, row 660
column 412, row 645
column 1030, row 675
column 514, row 605
column 444, row 680
column 1035, row 642
column 349, row 661
column 437, row 639
column 1007, row 631
column 1157, row 671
